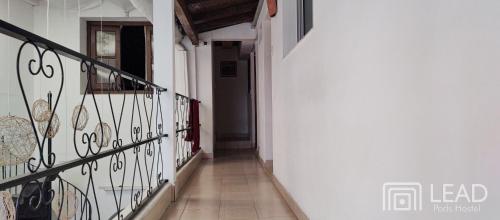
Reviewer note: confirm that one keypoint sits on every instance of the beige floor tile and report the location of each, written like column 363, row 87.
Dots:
column 238, row 213
column 180, row 203
column 225, row 204
column 234, row 187
column 205, row 214
column 203, row 203
column 236, row 196
column 273, row 209
column 172, row 214
column 228, row 180
column 264, row 195
column 279, row 218
column 208, row 189
column 261, row 186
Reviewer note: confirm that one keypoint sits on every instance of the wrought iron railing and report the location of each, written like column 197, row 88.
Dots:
column 185, row 133
column 107, row 170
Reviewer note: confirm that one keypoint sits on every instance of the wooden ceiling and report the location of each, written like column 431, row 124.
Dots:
column 197, row 16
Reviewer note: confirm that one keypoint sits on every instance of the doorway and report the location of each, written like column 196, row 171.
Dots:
column 232, row 88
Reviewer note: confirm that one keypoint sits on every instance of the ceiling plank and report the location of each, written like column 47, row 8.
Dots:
column 185, row 19
column 224, row 13
column 201, row 6
column 225, row 22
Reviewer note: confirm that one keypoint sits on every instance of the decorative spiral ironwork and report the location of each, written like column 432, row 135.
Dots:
column 88, row 139
column 38, row 68
column 137, row 162
column 183, row 147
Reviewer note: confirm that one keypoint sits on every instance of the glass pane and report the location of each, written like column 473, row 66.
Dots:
column 308, row 16
column 102, row 74
column 109, row 61
column 105, row 43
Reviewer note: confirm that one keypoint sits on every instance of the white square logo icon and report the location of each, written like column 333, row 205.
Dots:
column 402, row 196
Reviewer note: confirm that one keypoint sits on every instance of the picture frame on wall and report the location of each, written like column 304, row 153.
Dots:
column 228, row 69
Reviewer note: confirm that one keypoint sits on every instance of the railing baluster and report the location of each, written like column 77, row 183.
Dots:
column 184, row 125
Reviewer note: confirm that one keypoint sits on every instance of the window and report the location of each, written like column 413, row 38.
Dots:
column 304, row 18
column 123, row 45
column 297, row 22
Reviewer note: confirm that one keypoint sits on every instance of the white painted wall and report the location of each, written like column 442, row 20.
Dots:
column 289, row 25
column 264, row 86
column 238, row 32
column 204, row 81
column 384, row 91
column 191, row 66
column 21, row 14
column 164, row 29
column 204, row 94
column 181, row 70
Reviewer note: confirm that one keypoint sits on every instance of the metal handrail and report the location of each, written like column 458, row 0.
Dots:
column 20, row 179
column 24, row 35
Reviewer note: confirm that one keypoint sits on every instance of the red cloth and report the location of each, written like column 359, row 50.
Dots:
column 193, row 134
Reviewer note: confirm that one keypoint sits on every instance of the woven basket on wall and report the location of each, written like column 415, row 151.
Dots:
column 17, row 140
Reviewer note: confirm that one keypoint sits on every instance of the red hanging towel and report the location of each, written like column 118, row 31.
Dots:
column 189, row 132
column 193, row 134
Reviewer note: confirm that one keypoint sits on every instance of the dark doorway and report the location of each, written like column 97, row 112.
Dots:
column 232, row 89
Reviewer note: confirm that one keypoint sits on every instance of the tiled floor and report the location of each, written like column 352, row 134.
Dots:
column 234, row 186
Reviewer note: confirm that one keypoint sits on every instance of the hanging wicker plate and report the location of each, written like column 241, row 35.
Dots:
column 40, row 110
column 54, row 126
column 105, row 136
column 79, row 123
column 69, row 205
column 7, row 208
column 17, row 140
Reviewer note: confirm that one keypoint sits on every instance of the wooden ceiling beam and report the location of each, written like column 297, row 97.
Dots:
column 225, row 22
column 224, row 13
column 201, row 6
column 184, row 17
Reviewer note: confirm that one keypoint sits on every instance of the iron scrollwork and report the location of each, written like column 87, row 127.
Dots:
column 184, row 147
column 41, row 69
column 45, row 187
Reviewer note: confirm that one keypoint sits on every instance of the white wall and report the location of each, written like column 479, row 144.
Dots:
column 164, row 29
column 204, row 94
column 21, row 15
column 264, row 86
column 383, row 91
column 204, row 81
column 181, row 70
column 237, row 32
column 289, row 25
column 191, row 66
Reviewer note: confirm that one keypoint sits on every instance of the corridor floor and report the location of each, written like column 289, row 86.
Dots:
column 233, row 186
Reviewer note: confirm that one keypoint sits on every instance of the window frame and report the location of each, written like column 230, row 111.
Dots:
column 116, row 26
column 301, row 19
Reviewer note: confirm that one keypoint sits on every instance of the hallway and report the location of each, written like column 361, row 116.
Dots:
column 233, row 186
